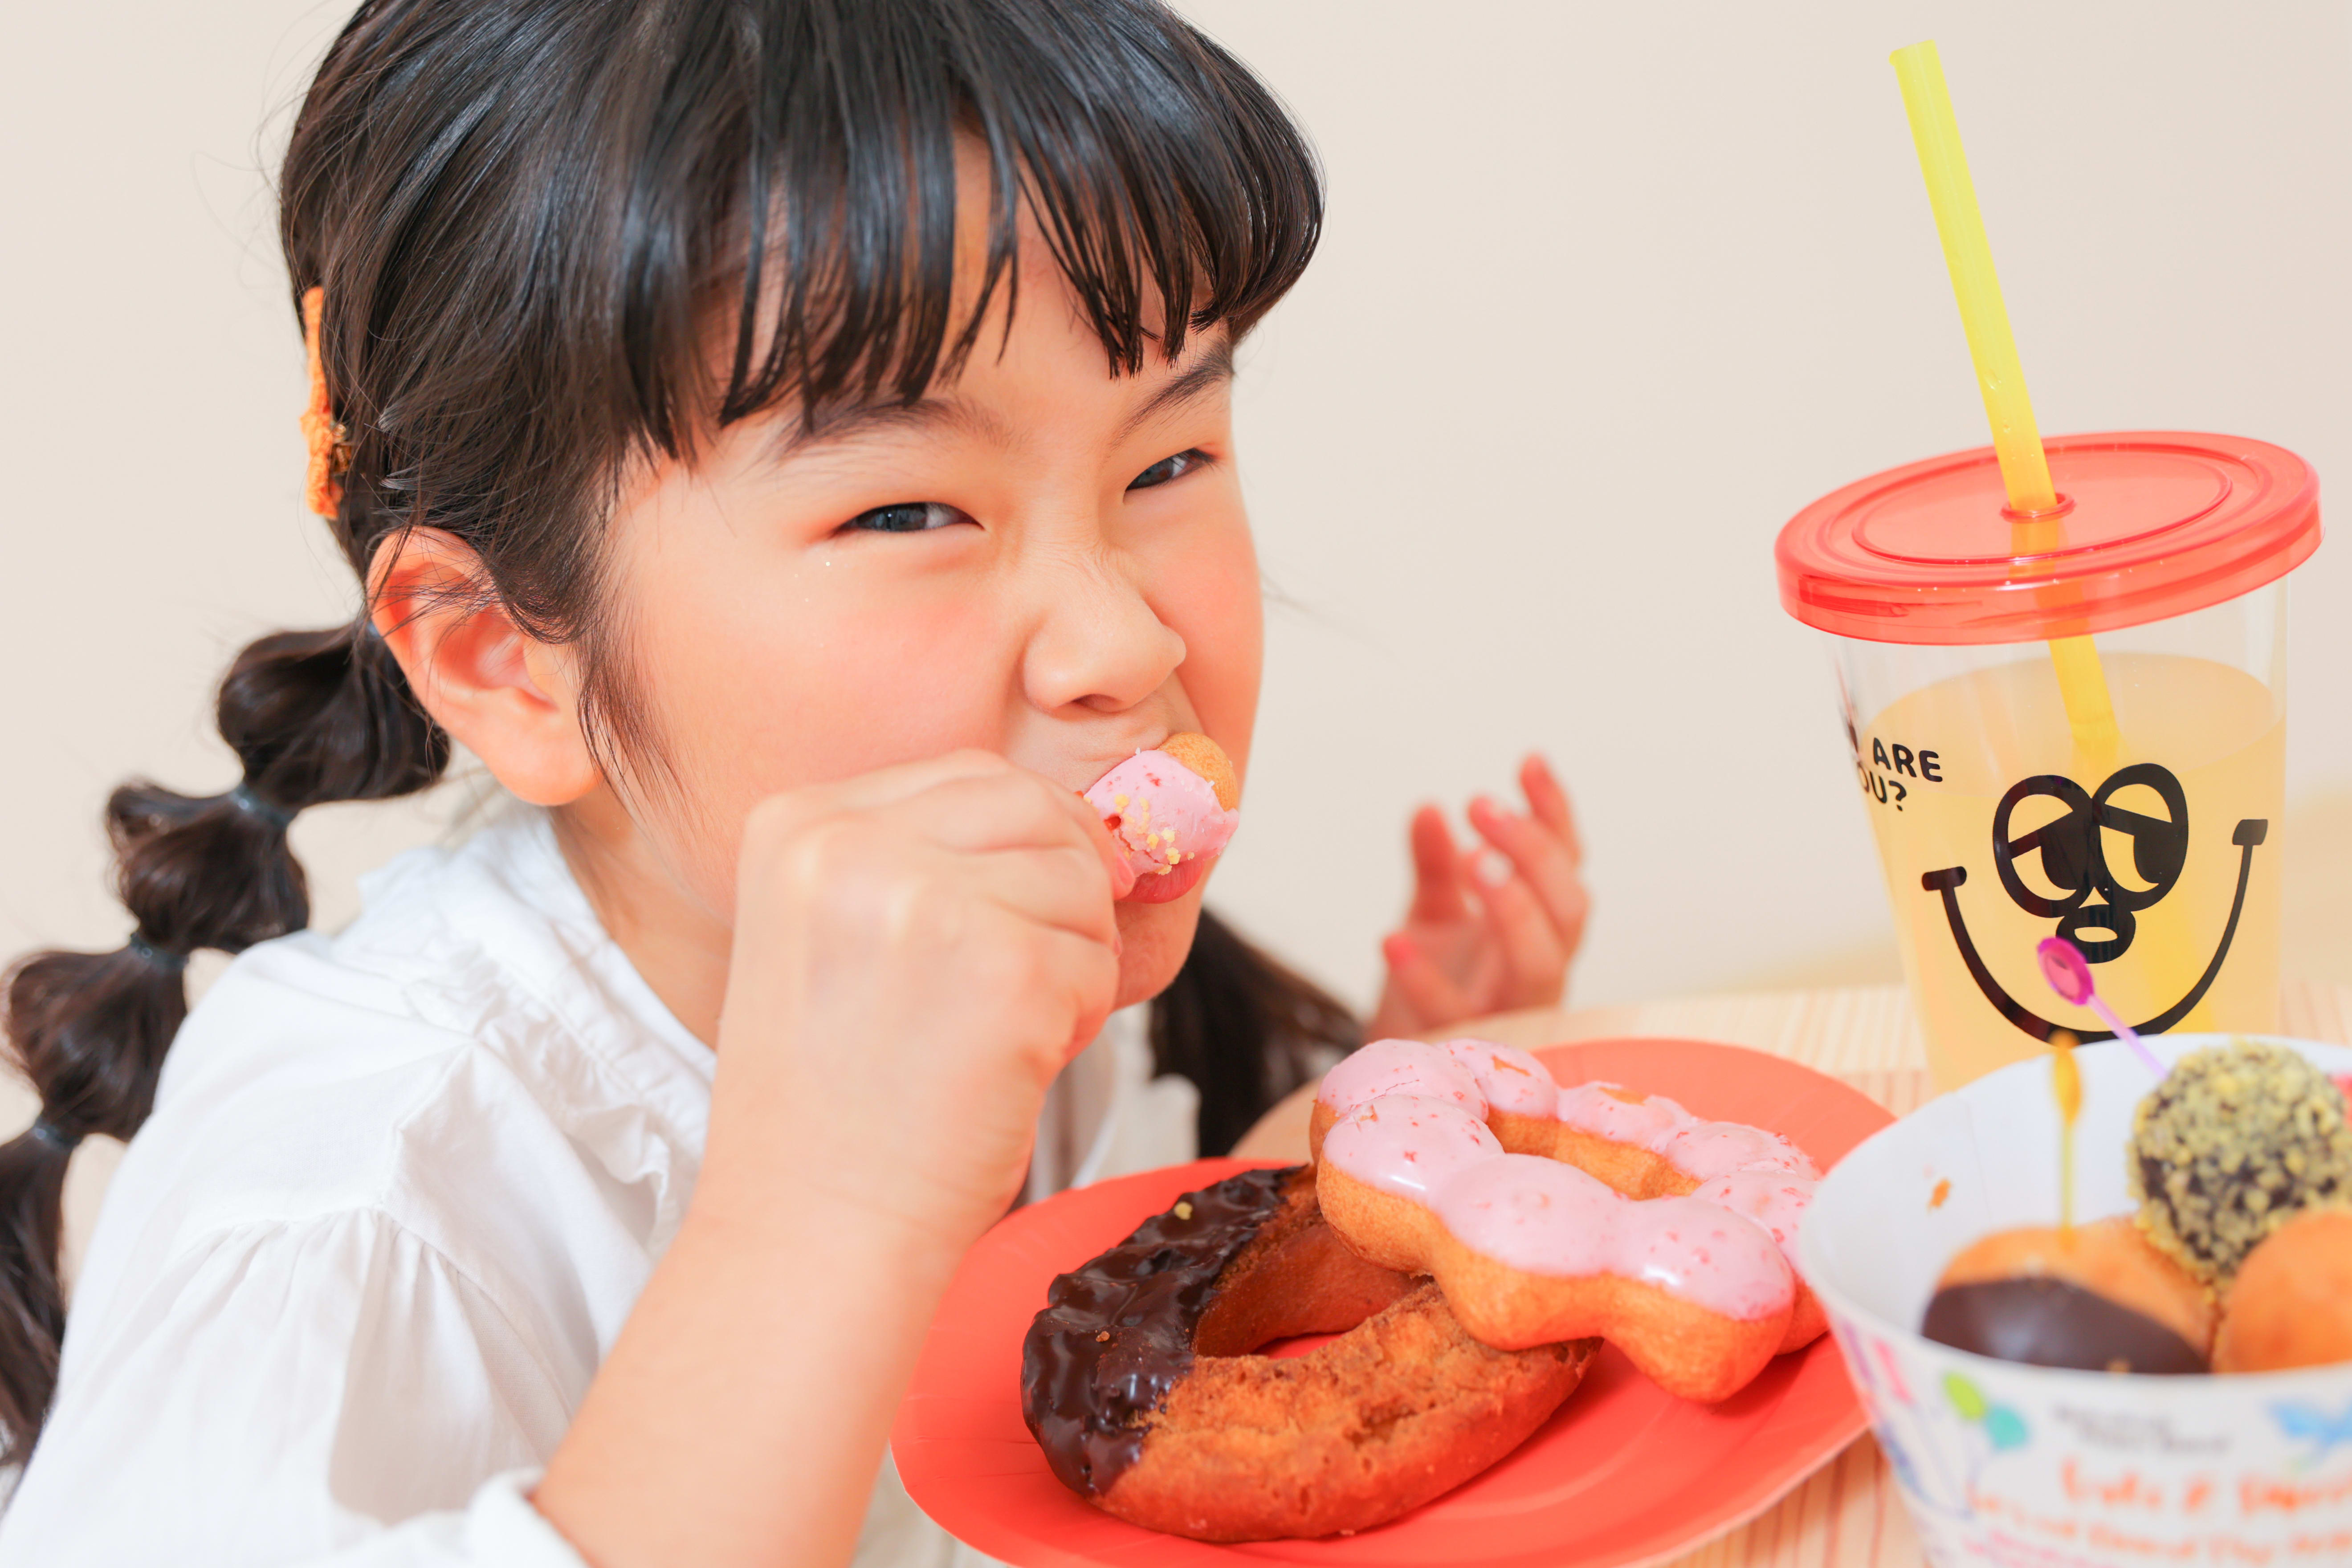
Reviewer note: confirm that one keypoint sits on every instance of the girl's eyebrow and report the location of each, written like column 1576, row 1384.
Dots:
column 1214, row 369
column 853, row 424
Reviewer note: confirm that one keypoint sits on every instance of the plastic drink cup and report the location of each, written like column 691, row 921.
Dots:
column 2153, row 846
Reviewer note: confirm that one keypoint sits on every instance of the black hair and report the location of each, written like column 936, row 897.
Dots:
column 1246, row 1028
column 528, row 217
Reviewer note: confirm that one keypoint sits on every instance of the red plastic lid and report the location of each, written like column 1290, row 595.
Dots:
column 2149, row 525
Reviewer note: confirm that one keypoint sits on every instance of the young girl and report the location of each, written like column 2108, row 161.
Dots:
column 787, row 441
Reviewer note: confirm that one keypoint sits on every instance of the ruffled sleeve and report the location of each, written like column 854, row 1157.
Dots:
column 327, row 1391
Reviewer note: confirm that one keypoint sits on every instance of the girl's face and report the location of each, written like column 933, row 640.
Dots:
column 1039, row 559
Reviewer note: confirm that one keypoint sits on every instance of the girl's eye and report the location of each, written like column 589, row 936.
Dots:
column 907, row 517
column 1167, row 468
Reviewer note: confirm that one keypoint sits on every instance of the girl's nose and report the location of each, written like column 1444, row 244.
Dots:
column 1098, row 640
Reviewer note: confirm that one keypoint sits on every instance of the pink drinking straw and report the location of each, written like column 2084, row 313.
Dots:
column 2069, row 974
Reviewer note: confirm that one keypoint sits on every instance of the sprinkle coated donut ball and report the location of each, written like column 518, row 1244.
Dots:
column 2234, row 1143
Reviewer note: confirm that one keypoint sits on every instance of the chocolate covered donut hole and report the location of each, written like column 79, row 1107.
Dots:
column 2096, row 1297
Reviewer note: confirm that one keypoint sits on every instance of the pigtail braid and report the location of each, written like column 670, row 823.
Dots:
column 313, row 717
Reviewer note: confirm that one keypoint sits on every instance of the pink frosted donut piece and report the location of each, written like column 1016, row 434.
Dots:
column 1540, row 1216
column 1400, row 1066
column 1511, row 1080
column 1404, row 1145
column 1412, row 1122
column 1771, row 1199
column 1160, row 813
column 1700, row 1150
column 1706, row 1149
column 1591, row 1108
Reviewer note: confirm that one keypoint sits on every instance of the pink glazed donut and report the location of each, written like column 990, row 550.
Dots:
column 1550, row 1214
column 1173, row 802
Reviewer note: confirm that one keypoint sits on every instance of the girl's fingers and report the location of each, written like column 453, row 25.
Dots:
column 1424, row 987
column 1012, row 810
column 1090, row 825
column 904, row 781
column 1091, row 971
column 1569, row 921
column 1050, row 887
column 1052, row 972
column 1437, row 887
column 1548, row 802
column 778, row 818
column 1533, row 956
column 1123, row 876
column 1542, row 859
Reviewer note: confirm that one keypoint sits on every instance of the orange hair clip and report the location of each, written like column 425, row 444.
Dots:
column 330, row 443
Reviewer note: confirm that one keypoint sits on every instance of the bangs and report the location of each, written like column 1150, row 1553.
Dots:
column 794, row 166
column 555, row 236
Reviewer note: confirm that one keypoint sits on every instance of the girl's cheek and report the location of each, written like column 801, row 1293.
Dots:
column 1215, row 604
column 813, row 677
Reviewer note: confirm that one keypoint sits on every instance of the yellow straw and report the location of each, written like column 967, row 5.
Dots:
column 2016, row 440
column 2066, row 1088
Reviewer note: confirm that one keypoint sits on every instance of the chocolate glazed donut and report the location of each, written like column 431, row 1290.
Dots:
column 1139, row 1381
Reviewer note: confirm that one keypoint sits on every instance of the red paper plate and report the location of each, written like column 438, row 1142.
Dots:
column 1623, row 1474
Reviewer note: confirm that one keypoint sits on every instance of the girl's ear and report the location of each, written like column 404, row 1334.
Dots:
column 504, row 695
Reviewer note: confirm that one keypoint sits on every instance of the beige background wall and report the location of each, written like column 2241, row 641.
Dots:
column 1608, row 292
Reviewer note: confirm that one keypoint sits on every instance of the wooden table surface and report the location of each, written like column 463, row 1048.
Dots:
column 1847, row 1514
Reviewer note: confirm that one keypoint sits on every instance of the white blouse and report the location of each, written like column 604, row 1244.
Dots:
column 400, row 1189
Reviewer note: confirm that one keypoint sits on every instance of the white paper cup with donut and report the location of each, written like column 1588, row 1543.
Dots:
column 2005, row 1463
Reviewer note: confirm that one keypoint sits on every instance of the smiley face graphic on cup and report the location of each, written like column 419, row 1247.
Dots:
column 2107, row 854
column 2087, row 892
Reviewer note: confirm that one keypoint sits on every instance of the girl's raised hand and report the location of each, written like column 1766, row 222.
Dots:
column 917, row 952
column 1494, row 926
